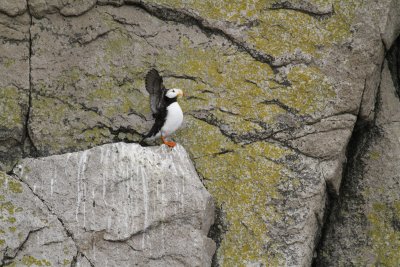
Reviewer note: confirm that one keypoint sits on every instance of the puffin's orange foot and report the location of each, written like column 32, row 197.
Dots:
column 168, row 143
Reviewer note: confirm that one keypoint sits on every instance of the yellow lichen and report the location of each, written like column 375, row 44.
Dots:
column 9, row 62
column 203, row 138
column 374, row 155
column 28, row 260
column 8, row 206
column 385, row 239
column 15, row 186
column 244, row 183
column 96, row 135
column 277, row 31
column 11, row 102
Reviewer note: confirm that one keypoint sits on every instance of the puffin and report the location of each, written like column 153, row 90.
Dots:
column 166, row 111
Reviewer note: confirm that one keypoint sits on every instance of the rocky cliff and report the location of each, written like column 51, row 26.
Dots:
column 284, row 99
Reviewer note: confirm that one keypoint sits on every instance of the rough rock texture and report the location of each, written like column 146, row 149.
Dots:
column 364, row 229
column 29, row 233
column 14, row 83
column 274, row 91
column 122, row 205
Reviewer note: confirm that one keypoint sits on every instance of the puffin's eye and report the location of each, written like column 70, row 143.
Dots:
column 173, row 91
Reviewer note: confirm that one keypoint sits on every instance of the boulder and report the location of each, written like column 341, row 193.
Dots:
column 126, row 205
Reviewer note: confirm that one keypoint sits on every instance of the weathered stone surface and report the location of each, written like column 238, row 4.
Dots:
column 274, row 90
column 13, row 7
column 29, row 233
column 125, row 205
column 39, row 8
column 14, row 84
column 364, row 227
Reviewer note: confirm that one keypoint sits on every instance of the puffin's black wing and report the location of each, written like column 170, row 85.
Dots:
column 158, row 124
column 156, row 89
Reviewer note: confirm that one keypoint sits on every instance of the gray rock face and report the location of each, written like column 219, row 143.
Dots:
column 125, row 205
column 363, row 229
column 13, row 8
column 14, row 83
column 29, row 233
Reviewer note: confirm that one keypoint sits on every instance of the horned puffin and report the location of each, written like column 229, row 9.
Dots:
column 166, row 111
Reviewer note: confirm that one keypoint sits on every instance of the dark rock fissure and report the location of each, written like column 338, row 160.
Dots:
column 358, row 143
column 393, row 59
column 364, row 134
column 313, row 13
column 361, row 137
column 68, row 232
column 28, row 147
column 216, row 233
column 7, row 260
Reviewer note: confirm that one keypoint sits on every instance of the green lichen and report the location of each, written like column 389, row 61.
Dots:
column 277, row 31
column 15, row 186
column 8, row 206
column 66, row 250
column 374, row 155
column 12, row 229
column 11, row 114
column 115, row 46
column 69, row 77
column 49, row 109
column 54, row 113
column 385, row 238
column 193, row 136
column 11, row 219
column 246, row 194
column 66, row 262
column 28, row 260
column 12, row 185
column 96, row 135
column 3, row 178
column 9, row 62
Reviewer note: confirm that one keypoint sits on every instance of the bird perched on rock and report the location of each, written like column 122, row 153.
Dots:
column 165, row 108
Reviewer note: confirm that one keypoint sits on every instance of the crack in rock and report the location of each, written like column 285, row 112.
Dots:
column 305, row 7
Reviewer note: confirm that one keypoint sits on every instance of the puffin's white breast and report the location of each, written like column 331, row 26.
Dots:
column 174, row 119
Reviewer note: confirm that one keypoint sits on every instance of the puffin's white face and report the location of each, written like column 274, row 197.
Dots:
column 174, row 92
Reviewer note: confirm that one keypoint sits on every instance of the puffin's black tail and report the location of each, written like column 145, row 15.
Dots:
column 142, row 142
